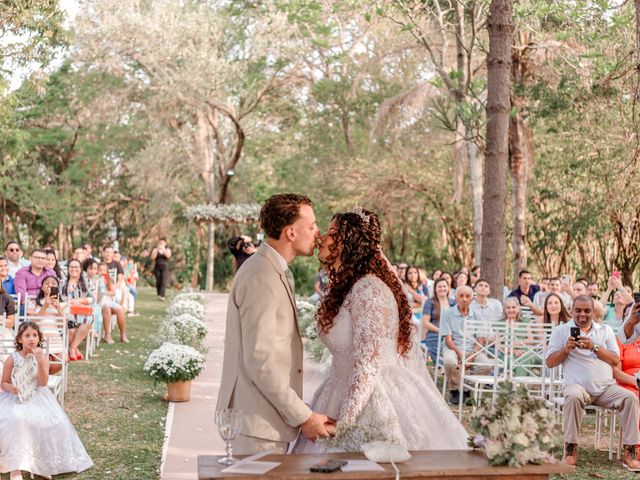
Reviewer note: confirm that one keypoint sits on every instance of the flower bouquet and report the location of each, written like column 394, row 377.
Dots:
column 516, row 430
column 181, row 307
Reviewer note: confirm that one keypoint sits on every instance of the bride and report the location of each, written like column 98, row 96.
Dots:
column 378, row 379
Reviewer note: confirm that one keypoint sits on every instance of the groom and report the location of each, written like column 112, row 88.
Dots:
column 262, row 369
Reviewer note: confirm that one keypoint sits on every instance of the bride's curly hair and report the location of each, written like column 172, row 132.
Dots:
column 356, row 241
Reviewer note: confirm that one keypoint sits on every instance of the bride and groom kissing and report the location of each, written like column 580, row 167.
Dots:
column 377, row 377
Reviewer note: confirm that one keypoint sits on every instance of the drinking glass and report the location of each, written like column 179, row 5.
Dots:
column 229, row 422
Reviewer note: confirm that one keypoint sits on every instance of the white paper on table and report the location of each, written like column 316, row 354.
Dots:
column 362, row 466
column 251, row 467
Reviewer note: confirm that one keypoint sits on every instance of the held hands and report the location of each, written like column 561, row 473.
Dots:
column 318, row 426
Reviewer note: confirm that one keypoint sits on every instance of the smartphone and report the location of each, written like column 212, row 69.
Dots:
column 328, row 466
column 616, row 274
column 575, row 332
column 636, row 297
column 565, row 279
column 54, row 292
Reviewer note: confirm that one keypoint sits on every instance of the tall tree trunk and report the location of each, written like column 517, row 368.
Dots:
column 477, row 188
column 204, row 136
column 497, row 150
column 520, row 153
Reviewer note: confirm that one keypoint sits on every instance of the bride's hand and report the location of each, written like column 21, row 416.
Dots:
column 330, row 427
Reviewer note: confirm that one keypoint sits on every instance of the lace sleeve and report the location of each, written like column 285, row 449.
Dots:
column 370, row 309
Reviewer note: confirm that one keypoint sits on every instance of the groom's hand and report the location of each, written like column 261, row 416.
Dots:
column 314, row 427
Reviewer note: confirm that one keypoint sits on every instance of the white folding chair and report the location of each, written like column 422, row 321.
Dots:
column 56, row 334
column 526, row 354
column 487, row 340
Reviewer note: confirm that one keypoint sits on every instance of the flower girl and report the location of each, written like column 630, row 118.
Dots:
column 35, row 432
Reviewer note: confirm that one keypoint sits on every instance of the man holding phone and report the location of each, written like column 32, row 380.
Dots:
column 587, row 350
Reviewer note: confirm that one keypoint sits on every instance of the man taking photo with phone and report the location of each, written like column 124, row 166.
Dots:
column 587, row 350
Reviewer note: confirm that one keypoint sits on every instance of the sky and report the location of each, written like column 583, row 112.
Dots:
column 71, row 8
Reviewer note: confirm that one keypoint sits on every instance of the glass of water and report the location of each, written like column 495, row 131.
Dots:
column 229, row 422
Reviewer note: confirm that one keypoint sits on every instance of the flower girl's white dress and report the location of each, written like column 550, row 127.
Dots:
column 37, row 436
column 371, row 385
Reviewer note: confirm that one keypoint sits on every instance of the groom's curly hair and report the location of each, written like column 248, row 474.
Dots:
column 356, row 241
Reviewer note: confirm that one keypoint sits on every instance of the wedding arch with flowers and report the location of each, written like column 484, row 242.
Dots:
column 210, row 214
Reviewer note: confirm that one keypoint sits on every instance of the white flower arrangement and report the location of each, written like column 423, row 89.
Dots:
column 174, row 363
column 221, row 213
column 308, row 329
column 181, row 307
column 192, row 296
column 516, row 430
column 184, row 329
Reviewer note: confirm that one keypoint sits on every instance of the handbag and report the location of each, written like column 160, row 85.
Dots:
column 81, row 310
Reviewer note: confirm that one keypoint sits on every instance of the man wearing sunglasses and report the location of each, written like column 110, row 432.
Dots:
column 13, row 252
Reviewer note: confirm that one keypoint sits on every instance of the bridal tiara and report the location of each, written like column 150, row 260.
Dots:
column 358, row 210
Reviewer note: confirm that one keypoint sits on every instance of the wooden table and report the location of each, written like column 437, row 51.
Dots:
column 453, row 465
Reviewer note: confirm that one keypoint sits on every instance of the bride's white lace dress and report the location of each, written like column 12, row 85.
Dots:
column 369, row 383
column 37, row 436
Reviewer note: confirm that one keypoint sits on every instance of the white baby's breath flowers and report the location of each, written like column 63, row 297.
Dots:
column 190, row 307
column 173, row 363
column 185, row 329
column 189, row 295
column 238, row 213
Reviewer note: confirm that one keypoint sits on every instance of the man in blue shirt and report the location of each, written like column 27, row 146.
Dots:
column 526, row 287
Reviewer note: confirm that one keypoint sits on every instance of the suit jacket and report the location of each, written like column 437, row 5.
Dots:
column 262, row 368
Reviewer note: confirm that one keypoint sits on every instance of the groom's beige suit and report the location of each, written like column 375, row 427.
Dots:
column 262, row 369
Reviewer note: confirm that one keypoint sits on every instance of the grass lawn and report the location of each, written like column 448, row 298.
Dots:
column 116, row 409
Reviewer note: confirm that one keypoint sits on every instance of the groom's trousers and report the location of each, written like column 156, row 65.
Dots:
column 245, row 445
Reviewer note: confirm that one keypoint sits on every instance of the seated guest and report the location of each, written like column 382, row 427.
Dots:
column 5, row 278
column 485, row 308
column 77, row 294
column 96, row 288
column 432, row 312
column 13, row 253
column 111, row 307
column 52, row 263
column 413, row 287
column 555, row 286
column 526, row 357
column 452, row 330
column 460, row 279
column 625, row 372
column 525, row 293
column 554, row 311
column 593, row 290
column 28, row 280
column 47, row 306
column 435, row 275
column 588, row 379
column 7, row 309
column 131, row 281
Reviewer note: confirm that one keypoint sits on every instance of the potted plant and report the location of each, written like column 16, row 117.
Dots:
column 184, row 329
column 191, row 307
column 177, row 365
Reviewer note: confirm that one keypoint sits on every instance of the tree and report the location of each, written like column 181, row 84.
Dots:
column 496, row 158
column 203, row 76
